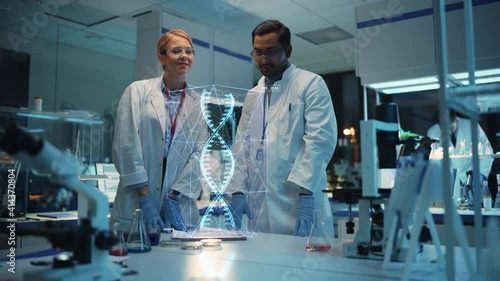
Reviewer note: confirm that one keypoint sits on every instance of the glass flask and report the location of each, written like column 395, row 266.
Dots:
column 318, row 240
column 138, row 240
column 120, row 249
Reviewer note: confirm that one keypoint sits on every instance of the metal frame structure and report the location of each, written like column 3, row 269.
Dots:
column 454, row 98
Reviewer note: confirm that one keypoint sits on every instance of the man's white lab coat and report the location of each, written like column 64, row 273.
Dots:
column 299, row 141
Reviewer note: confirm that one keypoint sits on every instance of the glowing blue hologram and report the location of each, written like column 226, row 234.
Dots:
column 225, row 153
column 217, row 181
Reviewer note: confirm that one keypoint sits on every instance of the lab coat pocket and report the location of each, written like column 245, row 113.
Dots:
column 293, row 120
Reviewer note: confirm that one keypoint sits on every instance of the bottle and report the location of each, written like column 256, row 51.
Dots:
column 37, row 103
column 154, row 235
column 486, row 196
column 120, row 249
column 138, row 240
column 318, row 240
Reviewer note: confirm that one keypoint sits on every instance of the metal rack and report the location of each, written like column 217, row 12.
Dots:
column 464, row 100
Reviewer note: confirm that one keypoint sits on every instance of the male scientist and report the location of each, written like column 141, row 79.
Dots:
column 286, row 137
column 460, row 140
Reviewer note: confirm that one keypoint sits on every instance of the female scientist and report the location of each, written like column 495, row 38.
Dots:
column 157, row 142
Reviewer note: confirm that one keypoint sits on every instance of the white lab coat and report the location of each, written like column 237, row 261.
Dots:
column 301, row 137
column 139, row 143
column 463, row 147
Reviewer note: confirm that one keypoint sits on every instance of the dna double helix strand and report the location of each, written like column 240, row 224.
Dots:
column 217, row 181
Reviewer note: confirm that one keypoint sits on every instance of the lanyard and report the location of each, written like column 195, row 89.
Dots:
column 173, row 122
column 264, row 120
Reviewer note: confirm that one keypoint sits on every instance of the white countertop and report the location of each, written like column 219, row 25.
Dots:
column 266, row 257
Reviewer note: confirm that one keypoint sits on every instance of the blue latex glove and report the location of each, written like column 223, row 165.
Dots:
column 150, row 214
column 305, row 215
column 172, row 213
column 238, row 207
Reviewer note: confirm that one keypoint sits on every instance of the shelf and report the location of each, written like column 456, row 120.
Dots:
column 439, row 157
column 73, row 116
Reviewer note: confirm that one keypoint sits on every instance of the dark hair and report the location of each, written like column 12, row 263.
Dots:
column 271, row 26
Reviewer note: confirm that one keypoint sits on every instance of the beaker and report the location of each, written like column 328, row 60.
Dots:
column 138, row 240
column 318, row 240
column 120, row 249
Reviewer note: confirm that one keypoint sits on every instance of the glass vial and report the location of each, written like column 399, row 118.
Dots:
column 120, row 249
column 486, row 197
column 138, row 240
column 37, row 103
column 318, row 240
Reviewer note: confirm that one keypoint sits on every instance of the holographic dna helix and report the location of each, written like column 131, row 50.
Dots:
column 217, row 178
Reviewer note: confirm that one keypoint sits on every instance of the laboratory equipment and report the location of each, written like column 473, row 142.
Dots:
column 91, row 239
column 138, row 239
column 154, row 235
column 37, row 103
column 318, row 240
column 170, row 244
column 193, row 246
column 369, row 240
column 467, row 200
column 487, row 204
column 211, row 243
column 120, row 248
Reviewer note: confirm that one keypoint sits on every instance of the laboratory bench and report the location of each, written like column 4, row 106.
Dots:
column 262, row 257
column 438, row 215
column 467, row 217
column 27, row 244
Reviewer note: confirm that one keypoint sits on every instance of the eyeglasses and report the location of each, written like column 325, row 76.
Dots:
column 177, row 52
column 271, row 54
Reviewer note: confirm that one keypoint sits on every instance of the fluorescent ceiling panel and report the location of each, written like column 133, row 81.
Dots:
column 479, row 73
column 406, row 82
column 409, row 89
column 325, row 35
column 482, row 80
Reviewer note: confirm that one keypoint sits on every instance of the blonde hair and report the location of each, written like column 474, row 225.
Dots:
column 169, row 35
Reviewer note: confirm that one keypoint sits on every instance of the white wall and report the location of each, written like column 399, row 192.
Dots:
column 87, row 80
column 220, row 58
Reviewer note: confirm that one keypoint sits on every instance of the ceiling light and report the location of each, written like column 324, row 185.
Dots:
column 325, row 35
column 479, row 73
column 407, row 82
column 409, row 89
column 482, row 80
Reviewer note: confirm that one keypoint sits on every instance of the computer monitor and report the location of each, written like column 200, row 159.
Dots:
column 108, row 185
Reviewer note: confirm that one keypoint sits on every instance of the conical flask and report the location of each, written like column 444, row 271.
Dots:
column 138, row 240
column 120, row 249
column 318, row 240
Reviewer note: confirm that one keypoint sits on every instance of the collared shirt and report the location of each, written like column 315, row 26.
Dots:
column 172, row 105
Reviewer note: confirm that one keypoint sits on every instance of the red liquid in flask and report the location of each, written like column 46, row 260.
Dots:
column 118, row 252
column 318, row 248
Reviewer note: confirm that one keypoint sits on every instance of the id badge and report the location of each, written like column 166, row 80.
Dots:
column 260, row 154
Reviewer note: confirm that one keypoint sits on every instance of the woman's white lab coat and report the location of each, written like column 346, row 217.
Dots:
column 300, row 139
column 139, row 143
column 463, row 147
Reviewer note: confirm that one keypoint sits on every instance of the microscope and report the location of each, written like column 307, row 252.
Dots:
column 383, row 135
column 91, row 239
